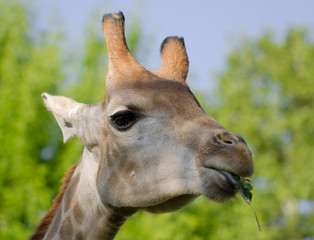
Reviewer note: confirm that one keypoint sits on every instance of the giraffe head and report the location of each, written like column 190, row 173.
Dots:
column 155, row 147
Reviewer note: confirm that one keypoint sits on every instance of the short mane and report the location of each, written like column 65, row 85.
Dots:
column 47, row 219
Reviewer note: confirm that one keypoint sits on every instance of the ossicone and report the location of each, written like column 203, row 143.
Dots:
column 175, row 62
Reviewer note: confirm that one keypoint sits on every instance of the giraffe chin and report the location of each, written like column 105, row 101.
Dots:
column 172, row 205
column 215, row 186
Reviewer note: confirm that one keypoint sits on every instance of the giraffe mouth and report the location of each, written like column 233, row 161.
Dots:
column 217, row 185
column 230, row 178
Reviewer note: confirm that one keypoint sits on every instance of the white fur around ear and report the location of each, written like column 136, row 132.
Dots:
column 64, row 109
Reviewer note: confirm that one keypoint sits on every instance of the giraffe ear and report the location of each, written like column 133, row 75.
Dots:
column 64, row 110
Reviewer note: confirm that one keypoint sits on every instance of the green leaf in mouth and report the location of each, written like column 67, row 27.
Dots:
column 245, row 187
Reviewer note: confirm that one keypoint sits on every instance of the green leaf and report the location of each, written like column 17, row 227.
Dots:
column 245, row 187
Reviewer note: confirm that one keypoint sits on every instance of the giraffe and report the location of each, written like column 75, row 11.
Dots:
column 147, row 146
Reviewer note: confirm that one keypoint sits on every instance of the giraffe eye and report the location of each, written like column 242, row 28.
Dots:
column 123, row 120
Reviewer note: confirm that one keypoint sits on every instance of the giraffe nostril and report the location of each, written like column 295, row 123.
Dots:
column 226, row 138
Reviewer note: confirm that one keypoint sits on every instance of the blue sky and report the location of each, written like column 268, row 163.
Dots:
column 210, row 28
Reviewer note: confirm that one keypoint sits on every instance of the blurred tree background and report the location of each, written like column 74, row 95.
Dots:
column 265, row 94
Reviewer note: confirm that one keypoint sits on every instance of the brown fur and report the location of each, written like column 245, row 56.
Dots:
column 78, row 213
column 66, row 228
column 45, row 222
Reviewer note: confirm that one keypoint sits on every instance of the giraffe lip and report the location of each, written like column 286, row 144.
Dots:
column 229, row 177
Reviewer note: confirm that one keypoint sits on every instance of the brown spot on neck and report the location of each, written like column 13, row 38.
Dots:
column 66, row 230
column 78, row 213
column 79, row 236
column 46, row 221
column 113, row 223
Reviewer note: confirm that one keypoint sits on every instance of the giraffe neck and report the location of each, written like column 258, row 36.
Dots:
column 81, row 214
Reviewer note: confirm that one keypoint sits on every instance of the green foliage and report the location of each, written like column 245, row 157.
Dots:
column 265, row 95
column 26, row 70
column 246, row 186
